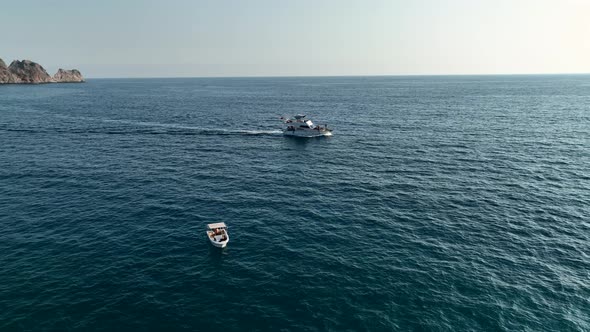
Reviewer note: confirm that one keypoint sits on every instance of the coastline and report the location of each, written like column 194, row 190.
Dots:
column 29, row 72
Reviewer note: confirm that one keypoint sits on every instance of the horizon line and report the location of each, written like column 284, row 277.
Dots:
column 353, row 75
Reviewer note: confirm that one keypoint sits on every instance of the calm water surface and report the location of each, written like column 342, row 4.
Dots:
column 440, row 204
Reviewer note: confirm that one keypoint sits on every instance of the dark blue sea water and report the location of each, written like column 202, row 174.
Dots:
column 440, row 204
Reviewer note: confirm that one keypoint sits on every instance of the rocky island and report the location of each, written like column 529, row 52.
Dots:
column 68, row 76
column 29, row 72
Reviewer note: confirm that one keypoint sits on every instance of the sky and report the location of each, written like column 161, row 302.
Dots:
column 192, row 38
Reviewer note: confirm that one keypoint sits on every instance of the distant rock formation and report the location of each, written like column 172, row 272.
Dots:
column 68, row 76
column 29, row 72
column 5, row 75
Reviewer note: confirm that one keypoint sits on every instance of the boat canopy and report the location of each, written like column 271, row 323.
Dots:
column 299, row 116
column 217, row 225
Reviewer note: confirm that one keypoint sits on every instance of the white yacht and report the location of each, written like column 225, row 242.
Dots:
column 217, row 234
column 301, row 127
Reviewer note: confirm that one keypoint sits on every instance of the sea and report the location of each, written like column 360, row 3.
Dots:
column 441, row 203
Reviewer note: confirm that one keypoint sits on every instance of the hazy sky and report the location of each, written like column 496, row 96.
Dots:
column 132, row 38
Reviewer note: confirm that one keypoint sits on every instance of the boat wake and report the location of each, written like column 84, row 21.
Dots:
column 190, row 130
column 92, row 125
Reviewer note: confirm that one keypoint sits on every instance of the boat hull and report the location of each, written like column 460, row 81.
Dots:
column 307, row 133
column 218, row 244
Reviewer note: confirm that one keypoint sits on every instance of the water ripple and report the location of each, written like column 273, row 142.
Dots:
column 441, row 203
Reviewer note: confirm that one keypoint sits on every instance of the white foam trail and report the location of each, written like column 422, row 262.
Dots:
column 207, row 130
column 259, row 132
column 212, row 131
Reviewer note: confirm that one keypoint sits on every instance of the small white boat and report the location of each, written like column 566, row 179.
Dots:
column 299, row 126
column 217, row 234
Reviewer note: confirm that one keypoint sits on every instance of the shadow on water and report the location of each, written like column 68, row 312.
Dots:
column 216, row 255
column 303, row 142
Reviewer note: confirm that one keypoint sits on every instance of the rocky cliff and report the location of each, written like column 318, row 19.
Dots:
column 5, row 75
column 68, row 76
column 29, row 72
